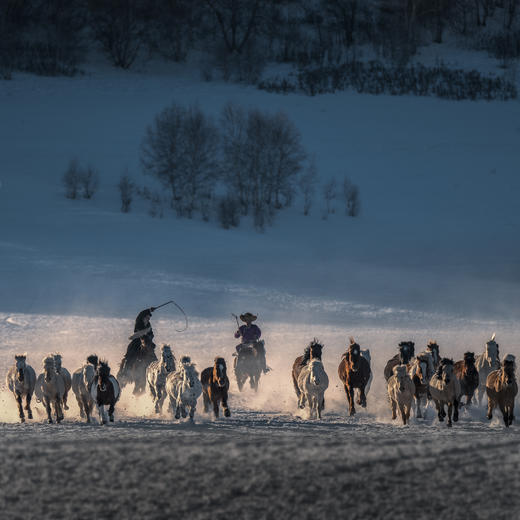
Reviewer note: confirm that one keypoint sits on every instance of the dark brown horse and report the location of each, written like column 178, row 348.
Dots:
column 501, row 389
column 403, row 357
column 215, row 386
column 315, row 350
column 354, row 372
column 467, row 375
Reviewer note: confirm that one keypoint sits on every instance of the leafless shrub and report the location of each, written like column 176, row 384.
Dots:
column 72, row 179
column 330, row 194
column 89, row 181
column 307, row 186
column 126, row 190
column 351, row 198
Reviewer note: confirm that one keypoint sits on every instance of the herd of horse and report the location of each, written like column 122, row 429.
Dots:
column 411, row 379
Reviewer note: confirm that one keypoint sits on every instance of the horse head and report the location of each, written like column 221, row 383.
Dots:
column 315, row 349
column 406, row 352
column 400, row 375
column 491, row 352
column 57, row 361
column 420, row 367
column 433, row 348
column 49, row 368
column 167, row 358
column 103, row 373
column 445, row 370
column 93, row 360
column 469, row 362
column 219, row 371
column 508, row 370
column 20, row 366
column 353, row 354
column 315, row 371
column 188, row 372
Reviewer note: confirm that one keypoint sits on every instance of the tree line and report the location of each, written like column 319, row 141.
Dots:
column 239, row 36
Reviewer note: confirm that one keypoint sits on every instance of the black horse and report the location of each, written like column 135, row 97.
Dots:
column 105, row 392
column 140, row 353
column 403, row 357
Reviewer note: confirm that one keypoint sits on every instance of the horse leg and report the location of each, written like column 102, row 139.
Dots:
column 491, row 405
column 57, row 409
column 455, row 410
column 102, row 413
column 362, row 397
column 205, row 400
column 227, row 413
column 65, row 396
column 48, row 409
column 402, row 411
column 352, row 408
column 440, row 410
column 393, row 404
column 505, row 414
column 418, row 412
column 20, row 407
column 178, row 409
column 192, row 411
column 215, row 407
column 162, row 396
column 111, row 410
column 28, row 406
column 450, row 411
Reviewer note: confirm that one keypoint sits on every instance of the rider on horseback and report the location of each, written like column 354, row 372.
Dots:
column 250, row 335
column 141, row 348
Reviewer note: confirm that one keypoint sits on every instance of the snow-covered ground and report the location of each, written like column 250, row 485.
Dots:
column 435, row 254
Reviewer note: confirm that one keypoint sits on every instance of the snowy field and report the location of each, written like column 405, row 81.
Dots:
column 434, row 254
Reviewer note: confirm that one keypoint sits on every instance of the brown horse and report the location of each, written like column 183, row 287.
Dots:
column 501, row 389
column 354, row 372
column 315, row 350
column 403, row 357
column 467, row 375
column 215, row 386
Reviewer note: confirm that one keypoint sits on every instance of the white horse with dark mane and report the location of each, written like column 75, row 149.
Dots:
column 421, row 370
column 65, row 374
column 486, row 363
column 184, row 388
column 312, row 383
column 156, row 374
column 50, row 389
column 82, row 380
column 20, row 380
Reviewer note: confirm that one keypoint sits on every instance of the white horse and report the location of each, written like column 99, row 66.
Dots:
column 486, row 363
column 421, row 371
column 445, row 390
column 20, row 380
column 184, row 388
column 65, row 374
column 312, row 382
column 156, row 374
column 82, row 380
column 50, row 389
column 401, row 390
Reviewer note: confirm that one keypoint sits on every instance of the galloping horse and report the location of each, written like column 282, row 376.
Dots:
column 501, row 388
column 248, row 364
column 433, row 348
column 445, row 390
column 20, row 380
column 403, row 357
column 354, row 372
column 141, row 352
column 50, row 389
column 215, row 386
column 400, row 392
column 485, row 363
column 105, row 391
column 421, row 370
column 312, row 382
column 315, row 350
column 156, row 374
column 184, row 388
column 65, row 374
column 82, row 380
column 467, row 375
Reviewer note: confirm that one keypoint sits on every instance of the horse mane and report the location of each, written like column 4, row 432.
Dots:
column 220, row 360
column 469, row 355
column 103, row 365
column 509, row 358
column 48, row 362
column 315, row 343
column 20, row 356
column 186, row 360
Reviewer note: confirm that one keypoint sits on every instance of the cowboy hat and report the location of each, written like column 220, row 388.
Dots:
column 248, row 317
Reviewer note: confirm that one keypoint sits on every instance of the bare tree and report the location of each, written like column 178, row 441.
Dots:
column 180, row 151
column 126, row 190
column 89, row 181
column 72, row 179
column 351, row 198
column 307, row 185
column 330, row 194
column 118, row 26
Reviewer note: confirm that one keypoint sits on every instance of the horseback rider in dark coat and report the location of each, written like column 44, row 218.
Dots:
column 141, row 349
column 250, row 335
